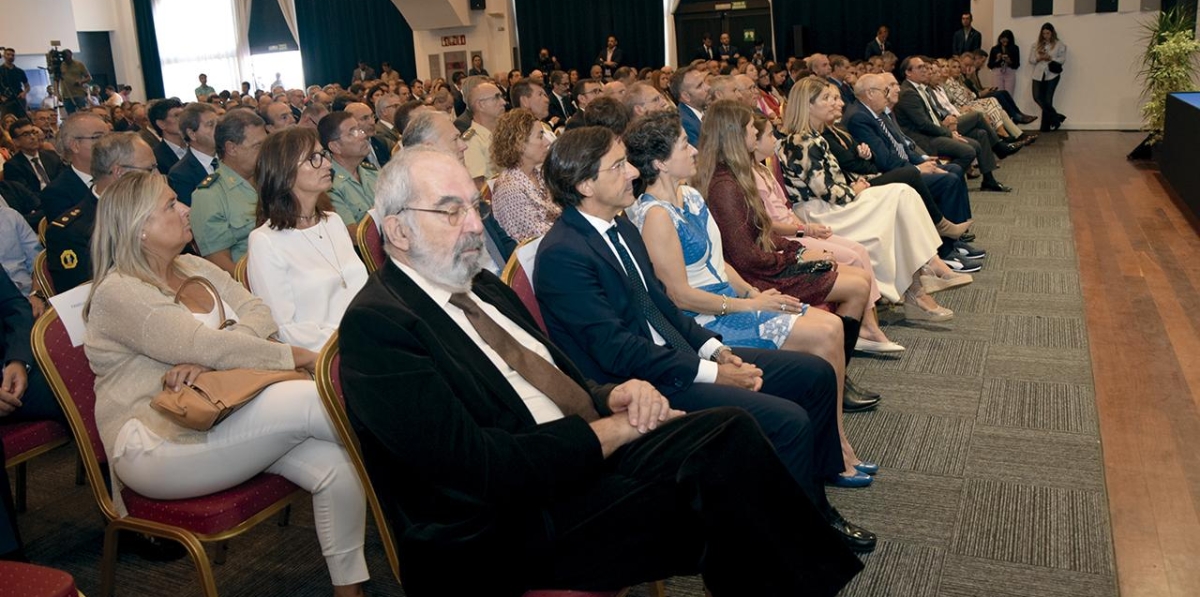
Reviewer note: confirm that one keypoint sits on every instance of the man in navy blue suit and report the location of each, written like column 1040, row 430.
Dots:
column 689, row 85
column 198, row 125
column 608, row 312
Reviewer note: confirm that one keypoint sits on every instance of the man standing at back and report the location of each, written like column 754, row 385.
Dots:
column 968, row 38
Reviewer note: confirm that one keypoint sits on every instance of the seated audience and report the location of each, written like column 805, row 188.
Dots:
column 19, row 246
column 133, row 344
column 197, row 123
column 487, row 105
column 889, row 220
column 30, row 165
column 75, row 141
column 953, row 84
column 353, row 191
column 507, row 437
column 224, row 204
column 163, row 115
column 520, row 200
column 301, row 260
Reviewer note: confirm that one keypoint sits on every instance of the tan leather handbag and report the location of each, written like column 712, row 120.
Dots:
column 214, row 395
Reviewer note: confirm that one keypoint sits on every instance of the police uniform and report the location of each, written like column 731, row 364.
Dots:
column 351, row 198
column 478, row 155
column 68, row 242
column 223, row 212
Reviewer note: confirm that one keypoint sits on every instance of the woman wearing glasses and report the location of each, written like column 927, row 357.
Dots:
column 519, row 197
column 301, row 260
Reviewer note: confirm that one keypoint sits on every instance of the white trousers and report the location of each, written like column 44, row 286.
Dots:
column 284, row 431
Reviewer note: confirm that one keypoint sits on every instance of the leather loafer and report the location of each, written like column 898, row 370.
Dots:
column 1003, row 150
column 873, row 347
column 972, row 174
column 858, row 539
column 858, row 479
column 869, row 468
column 995, row 187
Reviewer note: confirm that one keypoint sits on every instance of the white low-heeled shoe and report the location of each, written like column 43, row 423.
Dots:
column 874, row 347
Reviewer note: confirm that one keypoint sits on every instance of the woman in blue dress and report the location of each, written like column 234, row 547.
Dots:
column 685, row 246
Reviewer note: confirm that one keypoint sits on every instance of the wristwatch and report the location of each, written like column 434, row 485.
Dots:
column 717, row 353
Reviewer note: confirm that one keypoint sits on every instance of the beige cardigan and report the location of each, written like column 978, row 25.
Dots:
column 136, row 333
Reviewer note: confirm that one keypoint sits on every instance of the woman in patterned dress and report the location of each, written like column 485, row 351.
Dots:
column 520, row 200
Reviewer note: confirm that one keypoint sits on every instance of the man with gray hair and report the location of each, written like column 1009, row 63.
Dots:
column 75, row 142
column 69, row 237
column 487, row 105
column 224, row 204
column 642, row 98
column 385, row 131
column 509, row 439
column 197, row 124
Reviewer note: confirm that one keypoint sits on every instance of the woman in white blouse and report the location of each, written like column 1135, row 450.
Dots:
column 301, row 259
column 1047, row 58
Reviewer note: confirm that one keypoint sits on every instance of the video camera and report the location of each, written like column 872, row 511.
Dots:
column 54, row 60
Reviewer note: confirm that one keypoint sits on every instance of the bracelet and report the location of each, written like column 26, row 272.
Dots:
column 724, row 306
column 800, row 253
column 717, row 353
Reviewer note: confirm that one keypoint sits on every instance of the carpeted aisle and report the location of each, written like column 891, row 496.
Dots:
column 992, row 482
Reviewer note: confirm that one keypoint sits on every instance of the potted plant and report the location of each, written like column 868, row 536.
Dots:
column 1168, row 66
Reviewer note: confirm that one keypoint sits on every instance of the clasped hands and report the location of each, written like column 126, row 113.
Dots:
column 13, row 386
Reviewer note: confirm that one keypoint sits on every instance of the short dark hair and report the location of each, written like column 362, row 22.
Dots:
column 159, row 109
column 19, row 123
column 342, row 100
column 581, row 86
column 232, row 128
column 574, row 158
column 558, row 75
column 677, row 80
column 651, row 137
column 189, row 119
column 329, row 125
column 623, row 72
column 521, row 89
column 403, row 113
column 608, row 112
column 281, row 157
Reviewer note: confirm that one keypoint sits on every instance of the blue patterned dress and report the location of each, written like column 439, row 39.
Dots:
column 702, row 254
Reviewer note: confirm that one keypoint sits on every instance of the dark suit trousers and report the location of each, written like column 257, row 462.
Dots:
column 10, row 539
column 961, row 153
column 973, row 126
column 704, row 493
column 796, row 408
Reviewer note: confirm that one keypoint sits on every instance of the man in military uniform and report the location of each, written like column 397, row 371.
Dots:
column 223, row 205
column 353, row 191
column 377, row 152
column 69, row 236
column 487, row 106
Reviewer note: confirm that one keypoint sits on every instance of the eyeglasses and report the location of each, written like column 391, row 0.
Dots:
column 140, row 168
column 30, row 133
column 91, row 137
column 318, row 158
column 454, row 216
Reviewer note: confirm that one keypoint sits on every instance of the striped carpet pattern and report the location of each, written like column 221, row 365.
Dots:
column 991, row 482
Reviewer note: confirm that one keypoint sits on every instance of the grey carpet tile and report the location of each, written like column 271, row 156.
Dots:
column 935, row 354
column 1041, row 248
column 964, row 576
column 904, row 507
column 1055, row 221
column 1003, row 262
column 1068, row 366
column 917, row 442
column 1041, row 282
column 1036, row 330
column 1038, row 305
column 1065, row 529
column 1063, row 460
column 976, row 298
column 898, row 570
column 919, row 393
column 991, row 210
column 1028, row 200
column 1047, row 405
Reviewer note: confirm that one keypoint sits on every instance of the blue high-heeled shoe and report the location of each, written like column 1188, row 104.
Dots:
column 859, row 479
column 869, row 468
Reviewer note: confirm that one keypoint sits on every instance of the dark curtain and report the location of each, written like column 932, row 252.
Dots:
column 268, row 30
column 576, row 32
column 334, row 36
column 143, row 19
column 917, row 26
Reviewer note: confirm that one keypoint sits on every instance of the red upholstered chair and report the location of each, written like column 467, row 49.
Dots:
column 370, row 243
column 27, row 580
column 241, row 271
column 41, row 274
column 41, row 231
column 518, row 274
column 25, row 441
column 192, row 522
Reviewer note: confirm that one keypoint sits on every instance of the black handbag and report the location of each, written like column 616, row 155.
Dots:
column 1055, row 67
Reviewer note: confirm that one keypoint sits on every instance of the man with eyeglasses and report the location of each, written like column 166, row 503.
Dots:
column 353, row 191
column 507, row 462
column 69, row 236
column 583, row 93
column 75, row 143
column 378, row 152
column 487, row 106
column 642, row 98
column 30, row 165
column 224, row 204
column 690, row 86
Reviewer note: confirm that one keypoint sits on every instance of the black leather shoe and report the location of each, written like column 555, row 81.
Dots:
column 858, row 539
column 855, row 400
column 1003, row 150
column 1025, row 119
column 153, row 549
column 972, row 174
column 995, row 187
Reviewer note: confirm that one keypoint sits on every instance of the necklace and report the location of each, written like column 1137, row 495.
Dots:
column 308, row 218
column 337, row 263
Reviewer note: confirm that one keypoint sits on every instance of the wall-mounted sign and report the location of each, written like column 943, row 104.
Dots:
column 454, row 40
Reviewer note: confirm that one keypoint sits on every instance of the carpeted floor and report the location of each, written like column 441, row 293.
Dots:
column 992, row 481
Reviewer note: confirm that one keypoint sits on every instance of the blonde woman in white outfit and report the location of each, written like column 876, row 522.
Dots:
column 301, row 260
column 139, row 338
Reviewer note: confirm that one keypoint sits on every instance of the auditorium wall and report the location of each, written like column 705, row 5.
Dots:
column 490, row 33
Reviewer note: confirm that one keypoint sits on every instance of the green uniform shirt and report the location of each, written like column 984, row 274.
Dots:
column 351, row 198
column 223, row 215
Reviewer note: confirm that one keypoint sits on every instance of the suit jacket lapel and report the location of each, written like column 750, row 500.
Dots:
column 593, row 239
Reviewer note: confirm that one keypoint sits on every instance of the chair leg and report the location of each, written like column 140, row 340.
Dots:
column 285, row 516
column 80, row 473
column 219, row 550
column 203, row 570
column 108, row 560
column 19, row 485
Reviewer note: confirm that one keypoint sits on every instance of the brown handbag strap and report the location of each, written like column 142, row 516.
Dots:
column 216, row 298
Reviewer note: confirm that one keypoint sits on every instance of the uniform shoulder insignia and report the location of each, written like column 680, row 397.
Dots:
column 467, row 136
column 368, row 165
column 209, row 180
column 67, row 218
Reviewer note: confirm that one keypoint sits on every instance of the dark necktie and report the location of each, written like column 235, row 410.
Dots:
column 570, row 397
column 43, row 178
column 895, row 143
column 213, row 164
column 653, row 315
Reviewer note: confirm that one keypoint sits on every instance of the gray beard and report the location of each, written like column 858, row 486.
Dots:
column 453, row 272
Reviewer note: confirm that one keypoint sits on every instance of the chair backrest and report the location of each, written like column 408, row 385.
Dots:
column 41, row 274
column 241, row 271
column 70, row 376
column 329, row 386
column 41, row 231
column 370, row 243
column 518, row 274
